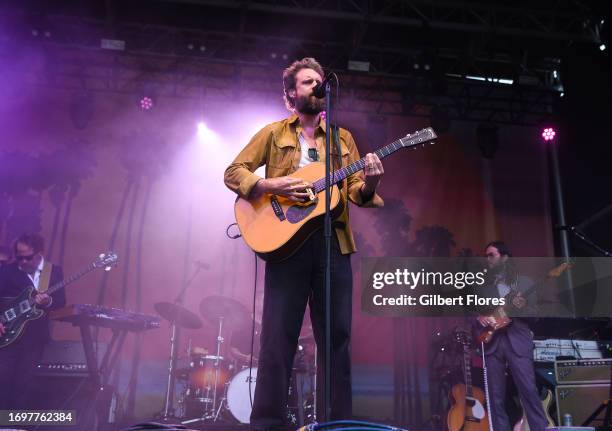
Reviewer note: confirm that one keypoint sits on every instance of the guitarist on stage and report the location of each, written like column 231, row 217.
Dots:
column 290, row 284
column 510, row 347
column 18, row 359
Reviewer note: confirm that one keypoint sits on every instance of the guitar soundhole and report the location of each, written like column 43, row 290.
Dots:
column 297, row 213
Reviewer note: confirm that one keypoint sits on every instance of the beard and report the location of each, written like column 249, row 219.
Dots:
column 309, row 105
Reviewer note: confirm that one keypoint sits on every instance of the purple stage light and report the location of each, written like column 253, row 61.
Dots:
column 146, row 103
column 548, row 134
column 205, row 134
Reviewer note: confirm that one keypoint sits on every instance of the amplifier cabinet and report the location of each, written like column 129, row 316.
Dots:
column 583, row 371
column 581, row 401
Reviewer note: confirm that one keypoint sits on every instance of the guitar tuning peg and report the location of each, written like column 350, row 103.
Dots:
column 108, row 268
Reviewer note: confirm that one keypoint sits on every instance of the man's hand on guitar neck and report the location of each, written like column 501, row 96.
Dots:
column 2, row 330
column 486, row 320
column 289, row 187
column 43, row 300
column 373, row 171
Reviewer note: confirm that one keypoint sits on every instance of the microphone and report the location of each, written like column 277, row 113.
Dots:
column 319, row 90
column 201, row 265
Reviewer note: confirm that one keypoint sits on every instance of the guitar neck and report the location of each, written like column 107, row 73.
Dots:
column 554, row 273
column 74, row 277
column 530, row 290
column 347, row 171
column 421, row 137
column 467, row 370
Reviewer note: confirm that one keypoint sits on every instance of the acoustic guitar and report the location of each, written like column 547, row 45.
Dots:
column 16, row 312
column 275, row 227
column 500, row 314
column 467, row 412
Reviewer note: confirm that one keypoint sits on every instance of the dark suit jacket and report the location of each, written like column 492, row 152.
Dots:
column 518, row 333
column 13, row 281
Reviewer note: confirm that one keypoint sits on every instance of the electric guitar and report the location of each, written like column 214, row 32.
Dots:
column 274, row 227
column 500, row 314
column 18, row 311
column 467, row 412
column 523, row 425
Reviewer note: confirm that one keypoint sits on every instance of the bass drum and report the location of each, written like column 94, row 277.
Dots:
column 238, row 400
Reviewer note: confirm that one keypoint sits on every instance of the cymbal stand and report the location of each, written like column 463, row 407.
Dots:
column 220, row 341
column 168, row 414
column 213, row 413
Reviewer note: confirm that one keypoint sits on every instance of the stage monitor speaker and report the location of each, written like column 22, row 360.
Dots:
column 581, row 401
column 570, row 429
column 66, row 358
column 583, row 371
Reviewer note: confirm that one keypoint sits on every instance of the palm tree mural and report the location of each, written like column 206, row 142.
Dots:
column 433, row 241
column 24, row 178
column 392, row 224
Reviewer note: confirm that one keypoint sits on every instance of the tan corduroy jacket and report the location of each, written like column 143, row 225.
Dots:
column 277, row 146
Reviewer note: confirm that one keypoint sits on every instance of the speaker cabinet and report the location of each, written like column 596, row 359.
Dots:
column 581, row 401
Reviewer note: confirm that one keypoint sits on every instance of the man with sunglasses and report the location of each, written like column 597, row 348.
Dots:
column 18, row 359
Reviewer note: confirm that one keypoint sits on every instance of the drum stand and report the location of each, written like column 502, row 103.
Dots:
column 220, row 341
column 177, row 320
column 213, row 413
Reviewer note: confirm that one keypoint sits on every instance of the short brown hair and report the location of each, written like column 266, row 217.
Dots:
column 289, row 77
column 32, row 240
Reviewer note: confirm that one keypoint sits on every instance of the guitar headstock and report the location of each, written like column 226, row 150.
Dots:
column 106, row 260
column 420, row 137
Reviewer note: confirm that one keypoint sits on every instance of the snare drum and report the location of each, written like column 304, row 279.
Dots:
column 207, row 376
column 203, row 369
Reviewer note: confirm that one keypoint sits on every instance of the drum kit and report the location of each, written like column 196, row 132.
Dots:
column 219, row 384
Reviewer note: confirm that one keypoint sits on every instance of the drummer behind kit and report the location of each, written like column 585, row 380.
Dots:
column 217, row 385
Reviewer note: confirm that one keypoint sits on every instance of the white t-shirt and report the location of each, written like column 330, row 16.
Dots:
column 304, row 159
column 36, row 276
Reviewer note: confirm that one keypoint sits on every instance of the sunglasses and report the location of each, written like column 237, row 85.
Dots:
column 27, row 258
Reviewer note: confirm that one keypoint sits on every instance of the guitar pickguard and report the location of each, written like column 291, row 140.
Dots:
column 297, row 213
column 478, row 410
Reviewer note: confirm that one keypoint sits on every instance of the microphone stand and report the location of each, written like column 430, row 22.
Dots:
column 328, row 232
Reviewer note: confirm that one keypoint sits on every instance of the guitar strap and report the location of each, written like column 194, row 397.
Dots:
column 336, row 152
column 45, row 277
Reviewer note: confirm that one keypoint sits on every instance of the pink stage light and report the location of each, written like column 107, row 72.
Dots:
column 548, row 134
column 146, row 103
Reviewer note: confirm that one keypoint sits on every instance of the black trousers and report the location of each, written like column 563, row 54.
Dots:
column 523, row 375
column 18, row 361
column 289, row 286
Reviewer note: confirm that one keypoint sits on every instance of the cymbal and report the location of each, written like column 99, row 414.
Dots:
column 178, row 314
column 234, row 314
